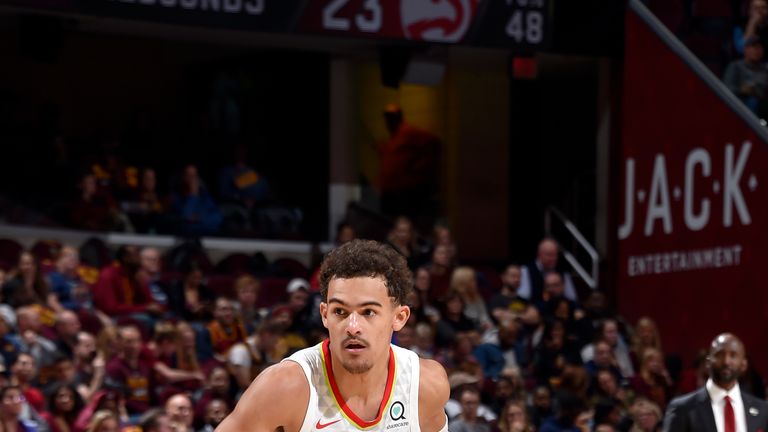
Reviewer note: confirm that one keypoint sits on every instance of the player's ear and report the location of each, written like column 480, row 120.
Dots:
column 402, row 313
column 324, row 313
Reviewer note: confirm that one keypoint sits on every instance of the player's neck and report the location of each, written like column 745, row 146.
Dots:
column 367, row 385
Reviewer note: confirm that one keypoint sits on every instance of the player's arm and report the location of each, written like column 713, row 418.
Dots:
column 277, row 398
column 433, row 395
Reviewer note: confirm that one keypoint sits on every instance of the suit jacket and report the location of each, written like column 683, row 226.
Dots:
column 693, row 413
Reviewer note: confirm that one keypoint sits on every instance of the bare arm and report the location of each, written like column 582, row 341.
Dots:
column 276, row 400
column 176, row 375
column 433, row 395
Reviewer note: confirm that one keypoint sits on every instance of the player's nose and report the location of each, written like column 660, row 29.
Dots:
column 353, row 323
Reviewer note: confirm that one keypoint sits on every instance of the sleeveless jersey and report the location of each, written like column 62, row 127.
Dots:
column 327, row 410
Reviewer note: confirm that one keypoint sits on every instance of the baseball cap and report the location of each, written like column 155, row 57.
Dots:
column 297, row 284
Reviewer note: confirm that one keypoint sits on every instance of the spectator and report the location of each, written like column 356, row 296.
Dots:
column 215, row 412
column 408, row 168
column 151, row 272
column 90, row 365
column 155, row 420
column 104, row 421
column 453, row 321
column 603, row 360
column 179, row 410
column 217, row 387
column 653, row 381
column 62, row 372
column 552, row 355
column 64, row 404
column 532, row 275
column 425, row 312
column 71, row 291
column 541, row 405
column 607, row 387
column 425, row 341
column 27, row 285
column 748, row 78
column 514, row 418
column 145, row 207
column 441, row 235
column 756, row 26
column 508, row 386
column 194, row 207
column 609, row 331
column 108, row 401
column 402, row 238
column 646, row 335
column 131, row 373
column 67, row 329
column 468, row 420
column 440, row 270
column 95, row 208
column 121, row 292
column 647, row 416
column 345, row 233
column 11, row 405
column 507, row 303
column 421, row 312
column 8, row 340
column 190, row 299
column 170, row 354
column 247, row 290
column 553, row 302
column 23, row 375
column 573, row 415
column 30, row 340
column 464, row 282
column 225, row 330
column 304, row 307
column 241, row 189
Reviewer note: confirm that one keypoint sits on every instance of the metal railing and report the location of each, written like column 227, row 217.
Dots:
column 589, row 277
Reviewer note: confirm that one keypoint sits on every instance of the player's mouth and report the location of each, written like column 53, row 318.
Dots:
column 354, row 345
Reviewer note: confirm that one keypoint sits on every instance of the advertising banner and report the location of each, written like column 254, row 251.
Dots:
column 694, row 204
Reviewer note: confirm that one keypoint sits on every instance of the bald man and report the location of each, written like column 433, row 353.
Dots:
column 532, row 275
column 720, row 406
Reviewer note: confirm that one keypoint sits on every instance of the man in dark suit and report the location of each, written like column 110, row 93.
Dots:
column 720, row 406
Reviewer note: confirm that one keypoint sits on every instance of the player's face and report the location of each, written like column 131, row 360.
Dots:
column 360, row 318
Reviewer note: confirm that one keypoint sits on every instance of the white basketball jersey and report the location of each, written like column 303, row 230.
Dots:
column 327, row 410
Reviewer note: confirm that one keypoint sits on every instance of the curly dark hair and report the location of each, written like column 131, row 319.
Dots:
column 366, row 258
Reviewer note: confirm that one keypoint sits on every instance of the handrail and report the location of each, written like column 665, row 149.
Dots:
column 591, row 279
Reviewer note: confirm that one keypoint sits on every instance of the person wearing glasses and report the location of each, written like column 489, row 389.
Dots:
column 11, row 405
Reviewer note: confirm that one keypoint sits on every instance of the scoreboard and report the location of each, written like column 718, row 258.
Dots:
column 523, row 24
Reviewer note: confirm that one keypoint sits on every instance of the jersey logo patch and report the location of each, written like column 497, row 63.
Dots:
column 319, row 425
column 397, row 411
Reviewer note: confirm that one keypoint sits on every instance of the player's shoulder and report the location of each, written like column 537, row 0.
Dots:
column 284, row 388
column 433, row 381
column 433, row 395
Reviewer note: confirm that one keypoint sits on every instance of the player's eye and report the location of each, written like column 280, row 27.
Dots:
column 339, row 312
column 369, row 312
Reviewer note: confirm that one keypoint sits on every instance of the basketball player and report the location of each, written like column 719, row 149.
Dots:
column 355, row 380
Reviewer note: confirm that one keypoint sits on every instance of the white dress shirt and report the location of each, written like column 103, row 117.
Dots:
column 526, row 285
column 717, row 397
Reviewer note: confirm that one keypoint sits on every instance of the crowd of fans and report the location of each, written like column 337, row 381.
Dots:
column 132, row 346
column 107, row 191
column 730, row 37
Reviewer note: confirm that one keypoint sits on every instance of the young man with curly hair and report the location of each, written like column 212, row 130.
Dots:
column 356, row 379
